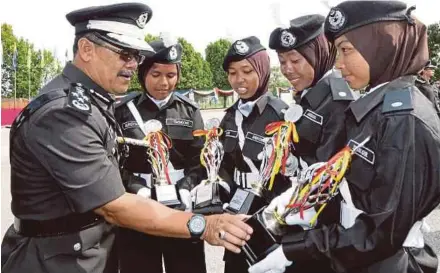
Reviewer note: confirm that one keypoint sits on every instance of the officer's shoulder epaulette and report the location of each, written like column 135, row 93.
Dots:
column 125, row 99
column 277, row 104
column 340, row 89
column 78, row 98
column 187, row 100
column 399, row 100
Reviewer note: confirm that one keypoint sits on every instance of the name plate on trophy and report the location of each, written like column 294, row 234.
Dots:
column 167, row 194
column 203, row 194
column 238, row 199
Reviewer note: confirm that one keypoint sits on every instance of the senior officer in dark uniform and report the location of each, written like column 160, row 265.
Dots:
column 306, row 60
column 159, row 75
column 394, row 180
column 65, row 181
column 248, row 66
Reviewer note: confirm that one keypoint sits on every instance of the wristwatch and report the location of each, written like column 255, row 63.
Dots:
column 196, row 225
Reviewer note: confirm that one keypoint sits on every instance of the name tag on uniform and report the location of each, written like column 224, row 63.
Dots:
column 255, row 137
column 316, row 118
column 231, row 133
column 179, row 122
column 363, row 152
column 129, row 124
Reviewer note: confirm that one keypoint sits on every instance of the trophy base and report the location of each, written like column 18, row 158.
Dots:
column 209, row 199
column 167, row 195
column 246, row 202
column 262, row 241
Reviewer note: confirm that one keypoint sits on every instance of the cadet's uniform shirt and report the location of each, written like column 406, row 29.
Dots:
column 430, row 92
column 179, row 117
column 63, row 163
column 394, row 179
column 266, row 110
column 321, row 129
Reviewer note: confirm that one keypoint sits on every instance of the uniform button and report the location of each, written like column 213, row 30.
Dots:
column 77, row 247
column 396, row 104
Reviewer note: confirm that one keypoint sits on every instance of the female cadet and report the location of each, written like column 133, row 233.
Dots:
column 159, row 75
column 306, row 60
column 393, row 182
column 248, row 67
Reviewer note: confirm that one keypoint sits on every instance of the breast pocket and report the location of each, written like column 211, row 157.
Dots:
column 230, row 140
column 253, row 145
column 180, row 128
column 310, row 127
column 362, row 171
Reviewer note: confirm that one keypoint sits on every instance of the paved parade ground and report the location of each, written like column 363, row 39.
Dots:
column 214, row 254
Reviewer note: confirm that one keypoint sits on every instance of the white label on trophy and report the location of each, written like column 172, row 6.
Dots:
column 166, row 193
column 204, row 194
column 238, row 199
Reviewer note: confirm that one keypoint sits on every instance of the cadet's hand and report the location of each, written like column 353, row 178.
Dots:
column 276, row 261
column 185, row 196
column 144, row 192
column 227, row 230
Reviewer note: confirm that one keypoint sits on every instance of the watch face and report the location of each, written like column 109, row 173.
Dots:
column 197, row 224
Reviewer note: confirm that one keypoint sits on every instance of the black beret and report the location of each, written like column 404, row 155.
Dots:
column 242, row 49
column 166, row 52
column 121, row 24
column 349, row 15
column 302, row 30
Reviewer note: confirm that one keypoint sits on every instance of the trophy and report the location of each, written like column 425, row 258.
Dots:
column 163, row 190
column 209, row 196
column 273, row 158
column 316, row 186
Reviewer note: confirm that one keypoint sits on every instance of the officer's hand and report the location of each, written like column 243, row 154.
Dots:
column 276, row 261
column 227, row 230
column 295, row 218
column 185, row 196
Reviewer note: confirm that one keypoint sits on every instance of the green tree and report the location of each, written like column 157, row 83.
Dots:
column 277, row 79
column 434, row 47
column 29, row 76
column 134, row 83
column 215, row 53
column 195, row 73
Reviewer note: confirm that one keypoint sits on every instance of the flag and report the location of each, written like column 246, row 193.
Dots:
column 42, row 59
column 14, row 57
column 29, row 61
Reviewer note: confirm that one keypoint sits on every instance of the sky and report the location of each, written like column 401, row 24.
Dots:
column 199, row 21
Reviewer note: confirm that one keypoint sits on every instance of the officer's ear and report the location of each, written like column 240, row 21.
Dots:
column 86, row 49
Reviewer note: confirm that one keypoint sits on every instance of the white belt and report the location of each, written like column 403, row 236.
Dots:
column 175, row 175
column 245, row 179
column 349, row 213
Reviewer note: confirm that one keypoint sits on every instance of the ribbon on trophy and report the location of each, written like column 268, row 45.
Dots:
column 319, row 184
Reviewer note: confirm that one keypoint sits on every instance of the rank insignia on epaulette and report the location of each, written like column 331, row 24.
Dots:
column 397, row 101
column 79, row 99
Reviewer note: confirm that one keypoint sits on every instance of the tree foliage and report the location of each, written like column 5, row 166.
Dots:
column 434, row 47
column 215, row 54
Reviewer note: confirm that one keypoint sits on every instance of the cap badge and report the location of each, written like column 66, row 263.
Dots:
column 173, row 53
column 287, row 39
column 142, row 20
column 336, row 19
column 241, row 47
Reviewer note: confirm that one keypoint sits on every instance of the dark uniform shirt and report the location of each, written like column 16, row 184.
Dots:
column 430, row 92
column 179, row 117
column 321, row 129
column 63, row 164
column 394, row 179
column 266, row 110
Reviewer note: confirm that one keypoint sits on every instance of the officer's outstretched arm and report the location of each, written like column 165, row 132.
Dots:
column 148, row 216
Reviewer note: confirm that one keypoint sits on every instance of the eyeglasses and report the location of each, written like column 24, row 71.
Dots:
column 124, row 54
